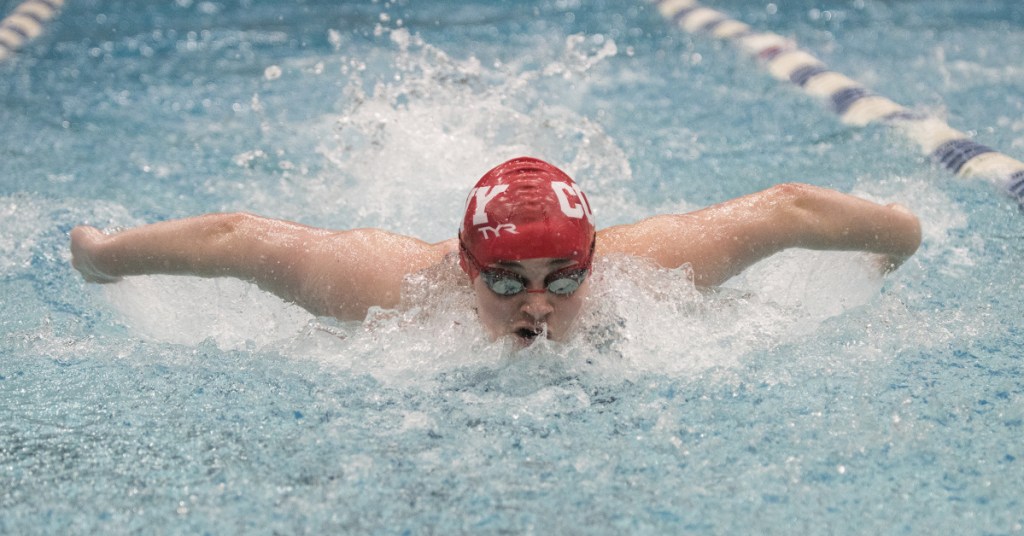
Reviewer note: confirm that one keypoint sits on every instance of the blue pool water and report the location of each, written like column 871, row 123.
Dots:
column 808, row 395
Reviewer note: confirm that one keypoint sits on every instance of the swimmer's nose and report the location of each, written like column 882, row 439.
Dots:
column 537, row 305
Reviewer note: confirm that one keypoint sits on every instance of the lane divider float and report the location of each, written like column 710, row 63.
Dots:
column 25, row 23
column 855, row 104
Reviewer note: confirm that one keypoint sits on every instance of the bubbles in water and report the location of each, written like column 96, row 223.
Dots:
column 31, row 227
column 20, row 218
column 581, row 54
column 334, row 38
column 272, row 72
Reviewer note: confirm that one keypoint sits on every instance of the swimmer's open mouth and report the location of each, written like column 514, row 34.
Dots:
column 527, row 334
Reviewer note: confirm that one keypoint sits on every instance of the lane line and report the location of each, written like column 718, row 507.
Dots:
column 25, row 23
column 854, row 103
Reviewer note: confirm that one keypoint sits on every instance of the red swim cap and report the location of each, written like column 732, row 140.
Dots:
column 525, row 209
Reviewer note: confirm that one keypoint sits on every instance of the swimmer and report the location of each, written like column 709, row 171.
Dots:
column 527, row 243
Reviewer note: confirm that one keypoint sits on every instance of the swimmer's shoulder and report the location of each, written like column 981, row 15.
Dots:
column 629, row 240
column 445, row 252
column 446, row 247
column 443, row 271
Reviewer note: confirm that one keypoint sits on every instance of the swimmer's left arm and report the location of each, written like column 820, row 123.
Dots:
column 330, row 273
column 723, row 240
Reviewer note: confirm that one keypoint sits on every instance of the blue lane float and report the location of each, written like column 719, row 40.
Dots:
column 855, row 104
column 25, row 23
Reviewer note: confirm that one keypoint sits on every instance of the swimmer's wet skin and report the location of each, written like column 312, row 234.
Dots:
column 527, row 242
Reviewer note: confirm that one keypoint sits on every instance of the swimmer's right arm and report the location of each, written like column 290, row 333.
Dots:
column 722, row 240
column 330, row 273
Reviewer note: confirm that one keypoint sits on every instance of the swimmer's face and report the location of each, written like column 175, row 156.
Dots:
column 526, row 314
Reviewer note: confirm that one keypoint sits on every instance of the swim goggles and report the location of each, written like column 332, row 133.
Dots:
column 506, row 283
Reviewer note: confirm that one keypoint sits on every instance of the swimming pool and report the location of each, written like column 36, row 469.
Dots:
column 806, row 395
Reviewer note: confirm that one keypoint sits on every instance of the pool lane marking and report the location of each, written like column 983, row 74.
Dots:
column 25, row 23
column 855, row 104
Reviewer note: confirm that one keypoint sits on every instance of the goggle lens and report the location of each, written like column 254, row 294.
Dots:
column 568, row 283
column 505, row 283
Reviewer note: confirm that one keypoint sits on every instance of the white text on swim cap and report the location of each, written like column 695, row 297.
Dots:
column 510, row 227
column 484, row 196
column 582, row 210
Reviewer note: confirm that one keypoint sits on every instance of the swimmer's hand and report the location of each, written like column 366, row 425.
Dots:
column 85, row 244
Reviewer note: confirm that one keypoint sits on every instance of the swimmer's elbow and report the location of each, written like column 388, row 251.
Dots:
column 793, row 191
column 799, row 199
column 235, row 237
column 820, row 218
column 797, row 216
column 236, row 244
column 226, row 226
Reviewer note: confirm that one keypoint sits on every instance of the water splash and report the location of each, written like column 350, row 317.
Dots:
column 418, row 127
column 414, row 132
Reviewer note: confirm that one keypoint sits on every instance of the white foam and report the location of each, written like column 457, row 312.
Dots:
column 416, row 133
column 20, row 219
column 654, row 320
column 28, row 221
column 190, row 310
